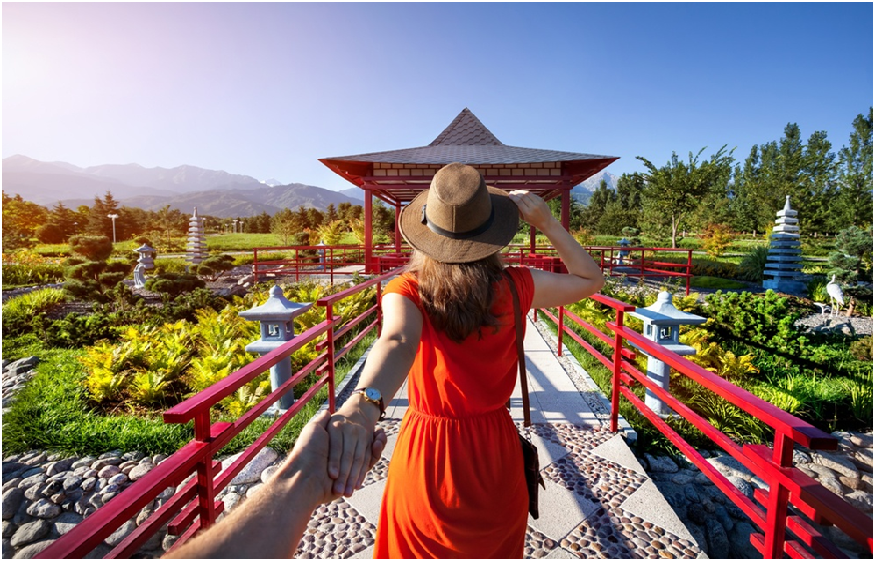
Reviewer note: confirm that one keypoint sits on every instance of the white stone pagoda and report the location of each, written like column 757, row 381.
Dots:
column 197, row 246
column 784, row 263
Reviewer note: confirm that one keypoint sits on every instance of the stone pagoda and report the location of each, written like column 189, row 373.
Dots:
column 197, row 246
column 784, row 263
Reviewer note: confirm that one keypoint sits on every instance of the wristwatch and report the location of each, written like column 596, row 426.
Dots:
column 373, row 395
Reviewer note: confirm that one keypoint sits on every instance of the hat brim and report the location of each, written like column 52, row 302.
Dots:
column 449, row 250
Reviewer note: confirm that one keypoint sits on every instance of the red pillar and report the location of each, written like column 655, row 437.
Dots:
column 532, row 233
column 370, row 266
column 566, row 209
column 397, row 228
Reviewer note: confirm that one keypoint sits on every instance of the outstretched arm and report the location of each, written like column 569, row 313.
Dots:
column 584, row 277
column 386, row 369
column 270, row 523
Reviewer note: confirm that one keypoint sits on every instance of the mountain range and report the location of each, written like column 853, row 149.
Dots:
column 214, row 193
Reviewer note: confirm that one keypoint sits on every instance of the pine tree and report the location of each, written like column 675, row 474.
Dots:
column 853, row 203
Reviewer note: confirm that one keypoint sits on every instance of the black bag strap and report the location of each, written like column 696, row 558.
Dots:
column 521, row 359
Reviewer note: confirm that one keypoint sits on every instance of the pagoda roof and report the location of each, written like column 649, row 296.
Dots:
column 468, row 141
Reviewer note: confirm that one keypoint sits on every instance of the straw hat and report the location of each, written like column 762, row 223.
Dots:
column 459, row 219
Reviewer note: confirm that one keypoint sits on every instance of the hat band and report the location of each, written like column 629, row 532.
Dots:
column 483, row 228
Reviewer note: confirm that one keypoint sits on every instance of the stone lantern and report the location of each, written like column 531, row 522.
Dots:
column 321, row 251
column 624, row 243
column 662, row 323
column 144, row 261
column 277, row 317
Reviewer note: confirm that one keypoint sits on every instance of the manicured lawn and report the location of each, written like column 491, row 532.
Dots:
column 716, row 283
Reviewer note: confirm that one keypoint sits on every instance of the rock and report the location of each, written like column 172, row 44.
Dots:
column 662, row 464
column 851, row 483
column 118, row 480
column 698, row 535
column 108, row 471
column 88, row 484
column 8, row 550
column 231, row 500
column 35, row 479
column 861, row 439
column 32, row 472
column 254, row 489
column 72, row 483
column 681, row 479
column 252, row 471
column 83, row 462
column 742, row 486
column 837, row 463
column 691, row 494
column 759, row 483
column 144, row 514
column 99, row 552
column 696, row 513
column 133, row 456
column 33, row 549
column 861, row 500
column 11, row 484
column 12, row 470
column 113, row 454
column 722, row 516
column 12, row 499
column 66, row 522
column 140, row 470
column 832, row 484
column 866, row 478
column 8, row 529
column 29, row 533
column 59, row 466
column 718, row 542
column 267, row 473
column 863, row 459
column 739, row 542
column 800, row 457
column 120, row 534
column 44, row 508
column 821, row 471
column 730, row 467
column 168, row 542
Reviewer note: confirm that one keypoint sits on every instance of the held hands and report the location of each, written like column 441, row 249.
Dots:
column 533, row 209
column 351, row 434
column 312, row 451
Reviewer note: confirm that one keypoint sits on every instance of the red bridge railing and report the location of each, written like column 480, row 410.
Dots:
column 774, row 465
column 195, row 506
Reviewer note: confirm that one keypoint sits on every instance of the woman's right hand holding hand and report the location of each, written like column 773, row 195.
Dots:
column 351, row 434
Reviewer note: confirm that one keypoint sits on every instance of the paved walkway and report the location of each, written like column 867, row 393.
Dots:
column 598, row 501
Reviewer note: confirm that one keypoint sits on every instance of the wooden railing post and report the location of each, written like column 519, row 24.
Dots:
column 206, row 491
column 561, row 329
column 776, row 509
column 379, row 309
column 618, row 364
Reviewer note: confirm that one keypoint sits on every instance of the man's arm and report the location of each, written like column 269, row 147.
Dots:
column 270, row 524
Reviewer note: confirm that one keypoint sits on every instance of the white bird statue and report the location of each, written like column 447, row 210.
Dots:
column 835, row 295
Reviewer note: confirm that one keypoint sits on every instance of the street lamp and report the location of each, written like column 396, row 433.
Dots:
column 113, row 217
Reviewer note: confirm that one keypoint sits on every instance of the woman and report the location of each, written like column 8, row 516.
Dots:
column 456, row 486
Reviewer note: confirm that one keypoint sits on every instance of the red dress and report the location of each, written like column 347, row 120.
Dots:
column 456, row 486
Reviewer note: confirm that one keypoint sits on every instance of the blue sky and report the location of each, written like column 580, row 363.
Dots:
column 266, row 89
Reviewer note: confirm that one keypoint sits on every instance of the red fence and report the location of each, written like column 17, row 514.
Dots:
column 346, row 260
column 195, row 507
column 787, row 484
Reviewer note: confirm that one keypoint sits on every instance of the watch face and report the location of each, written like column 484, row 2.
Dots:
column 373, row 394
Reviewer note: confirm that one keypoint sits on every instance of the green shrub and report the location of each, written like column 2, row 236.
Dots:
column 213, row 267
column 15, row 275
column 753, row 264
column 861, row 349
column 815, row 289
column 173, row 284
column 164, row 266
column 93, row 248
column 18, row 312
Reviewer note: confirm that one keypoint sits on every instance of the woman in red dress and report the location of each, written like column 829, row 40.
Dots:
column 456, row 486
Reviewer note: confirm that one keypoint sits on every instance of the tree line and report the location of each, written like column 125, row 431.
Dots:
column 830, row 191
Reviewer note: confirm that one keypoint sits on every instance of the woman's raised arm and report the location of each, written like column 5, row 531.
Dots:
column 351, row 429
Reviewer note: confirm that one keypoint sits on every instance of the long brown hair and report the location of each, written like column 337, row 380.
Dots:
column 457, row 296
